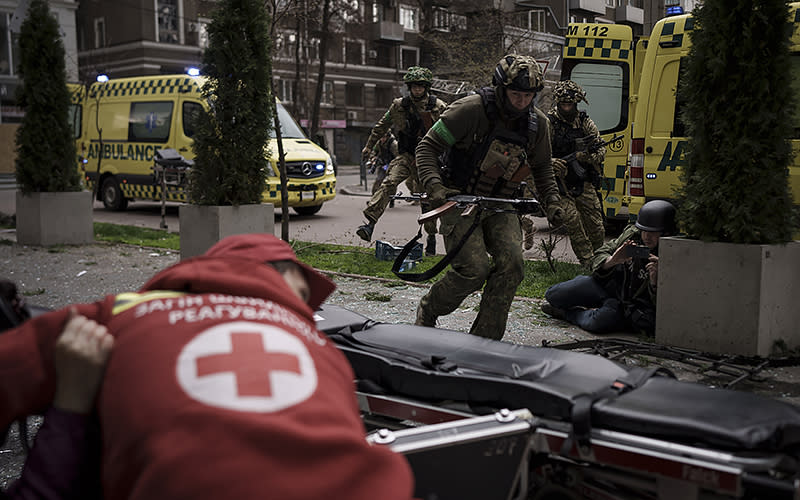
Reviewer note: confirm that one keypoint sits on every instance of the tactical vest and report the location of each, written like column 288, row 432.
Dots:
column 564, row 141
column 417, row 124
column 564, row 136
column 497, row 164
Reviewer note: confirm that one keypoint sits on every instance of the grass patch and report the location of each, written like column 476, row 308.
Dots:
column 31, row 293
column 346, row 259
column 133, row 235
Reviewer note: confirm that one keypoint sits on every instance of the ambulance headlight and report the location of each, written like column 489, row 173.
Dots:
column 328, row 166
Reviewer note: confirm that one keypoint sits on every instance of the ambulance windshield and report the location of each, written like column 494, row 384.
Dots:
column 289, row 128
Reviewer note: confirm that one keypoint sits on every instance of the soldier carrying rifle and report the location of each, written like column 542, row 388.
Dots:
column 578, row 156
column 493, row 141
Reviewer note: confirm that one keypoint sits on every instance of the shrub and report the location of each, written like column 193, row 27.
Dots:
column 45, row 143
column 739, row 112
column 230, row 139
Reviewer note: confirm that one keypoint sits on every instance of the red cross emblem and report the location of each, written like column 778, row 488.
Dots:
column 247, row 366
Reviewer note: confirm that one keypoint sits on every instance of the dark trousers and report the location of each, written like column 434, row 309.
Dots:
column 587, row 304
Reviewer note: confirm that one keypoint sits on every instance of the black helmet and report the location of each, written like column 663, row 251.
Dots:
column 657, row 215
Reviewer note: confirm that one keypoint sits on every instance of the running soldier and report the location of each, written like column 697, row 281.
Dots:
column 488, row 138
column 410, row 117
column 572, row 131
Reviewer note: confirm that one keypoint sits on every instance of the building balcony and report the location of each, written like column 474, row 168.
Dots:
column 595, row 6
column 387, row 31
column 629, row 14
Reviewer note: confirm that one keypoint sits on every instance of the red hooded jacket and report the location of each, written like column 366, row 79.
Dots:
column 219, row 386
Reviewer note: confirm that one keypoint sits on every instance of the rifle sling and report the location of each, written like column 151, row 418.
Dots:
column 430, row 273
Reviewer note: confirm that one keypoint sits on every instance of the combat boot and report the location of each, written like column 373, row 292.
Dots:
column 553, row 311
column 424, row 319
column 365, row 231
column 430, row 245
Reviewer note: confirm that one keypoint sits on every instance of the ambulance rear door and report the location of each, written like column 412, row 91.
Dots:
column 599, row 57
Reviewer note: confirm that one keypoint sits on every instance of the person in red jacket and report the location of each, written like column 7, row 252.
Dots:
column 62, row 460
column 219, row 385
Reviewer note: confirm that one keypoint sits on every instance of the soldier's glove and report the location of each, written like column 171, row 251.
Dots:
column 555, row 214
column 438, row 193
column 559, row 167
column 583, row 157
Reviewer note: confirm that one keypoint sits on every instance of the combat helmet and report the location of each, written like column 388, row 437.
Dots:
column 657, row 215
column 569, row 91
column 418, row 75
column 516, row 72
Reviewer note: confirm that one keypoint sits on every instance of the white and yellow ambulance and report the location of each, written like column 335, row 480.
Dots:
column 633, row 87
column 126, row 120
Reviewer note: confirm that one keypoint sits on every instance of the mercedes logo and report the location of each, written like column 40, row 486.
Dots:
column 307, row 169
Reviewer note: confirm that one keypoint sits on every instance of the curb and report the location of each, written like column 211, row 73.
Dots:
column 355, row 190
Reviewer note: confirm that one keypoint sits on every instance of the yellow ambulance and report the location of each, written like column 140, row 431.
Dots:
column 126, row 120
column 659, row 137
column 634, row 85
column 600, row 58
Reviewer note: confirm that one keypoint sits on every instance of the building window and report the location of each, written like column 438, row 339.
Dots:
column 409, row 17
column 377, row 12
column 99, row 32
column 447, row 21
column 327, row 93
column 168, row 15
column 354, row 95
column 202, row 32
column 285, row 89
column 285, row 44
column 532, row 20
column 409, row 56
column 354, row 52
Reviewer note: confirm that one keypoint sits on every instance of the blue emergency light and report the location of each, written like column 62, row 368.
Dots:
column 675, row 10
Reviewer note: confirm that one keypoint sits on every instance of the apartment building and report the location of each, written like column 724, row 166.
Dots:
column 370, row 43
column 12, row 13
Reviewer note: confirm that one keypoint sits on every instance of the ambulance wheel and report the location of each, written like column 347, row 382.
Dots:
column 113, row 199
column 308, row 210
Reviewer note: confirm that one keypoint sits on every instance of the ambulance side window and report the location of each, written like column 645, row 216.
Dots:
column 191, row 110
column 678, row 128
column 606, row 87
column 795, row 68
column 150, row 121
column 75, row 119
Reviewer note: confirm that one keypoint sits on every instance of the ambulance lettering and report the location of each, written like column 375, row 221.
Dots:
column 135, row 152
column 672, row 160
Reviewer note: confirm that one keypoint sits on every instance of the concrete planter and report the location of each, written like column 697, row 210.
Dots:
column 202, row 226
column 54, row 218
column 728, row 298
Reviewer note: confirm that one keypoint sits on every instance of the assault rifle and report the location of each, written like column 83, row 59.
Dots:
column 576, row 173
column 471, row 203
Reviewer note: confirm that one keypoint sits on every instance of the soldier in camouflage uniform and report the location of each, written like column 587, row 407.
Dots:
column 410, row 117
column 489, row 139
column 569, row 128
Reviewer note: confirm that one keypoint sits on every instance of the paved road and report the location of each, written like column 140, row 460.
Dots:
column 335, row 223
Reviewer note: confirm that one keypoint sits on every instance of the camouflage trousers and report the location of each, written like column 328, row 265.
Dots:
column 583, row 220
column 498, row 235
column 401, row 168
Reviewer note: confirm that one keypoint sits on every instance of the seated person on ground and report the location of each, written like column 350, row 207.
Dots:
column 620, row 294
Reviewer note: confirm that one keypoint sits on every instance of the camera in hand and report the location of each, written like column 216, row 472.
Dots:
column 637, row 252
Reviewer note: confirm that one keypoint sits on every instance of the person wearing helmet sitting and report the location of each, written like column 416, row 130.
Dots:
column 620, row 294
column 573, row 131
column 491, row 141
column 410, row 117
